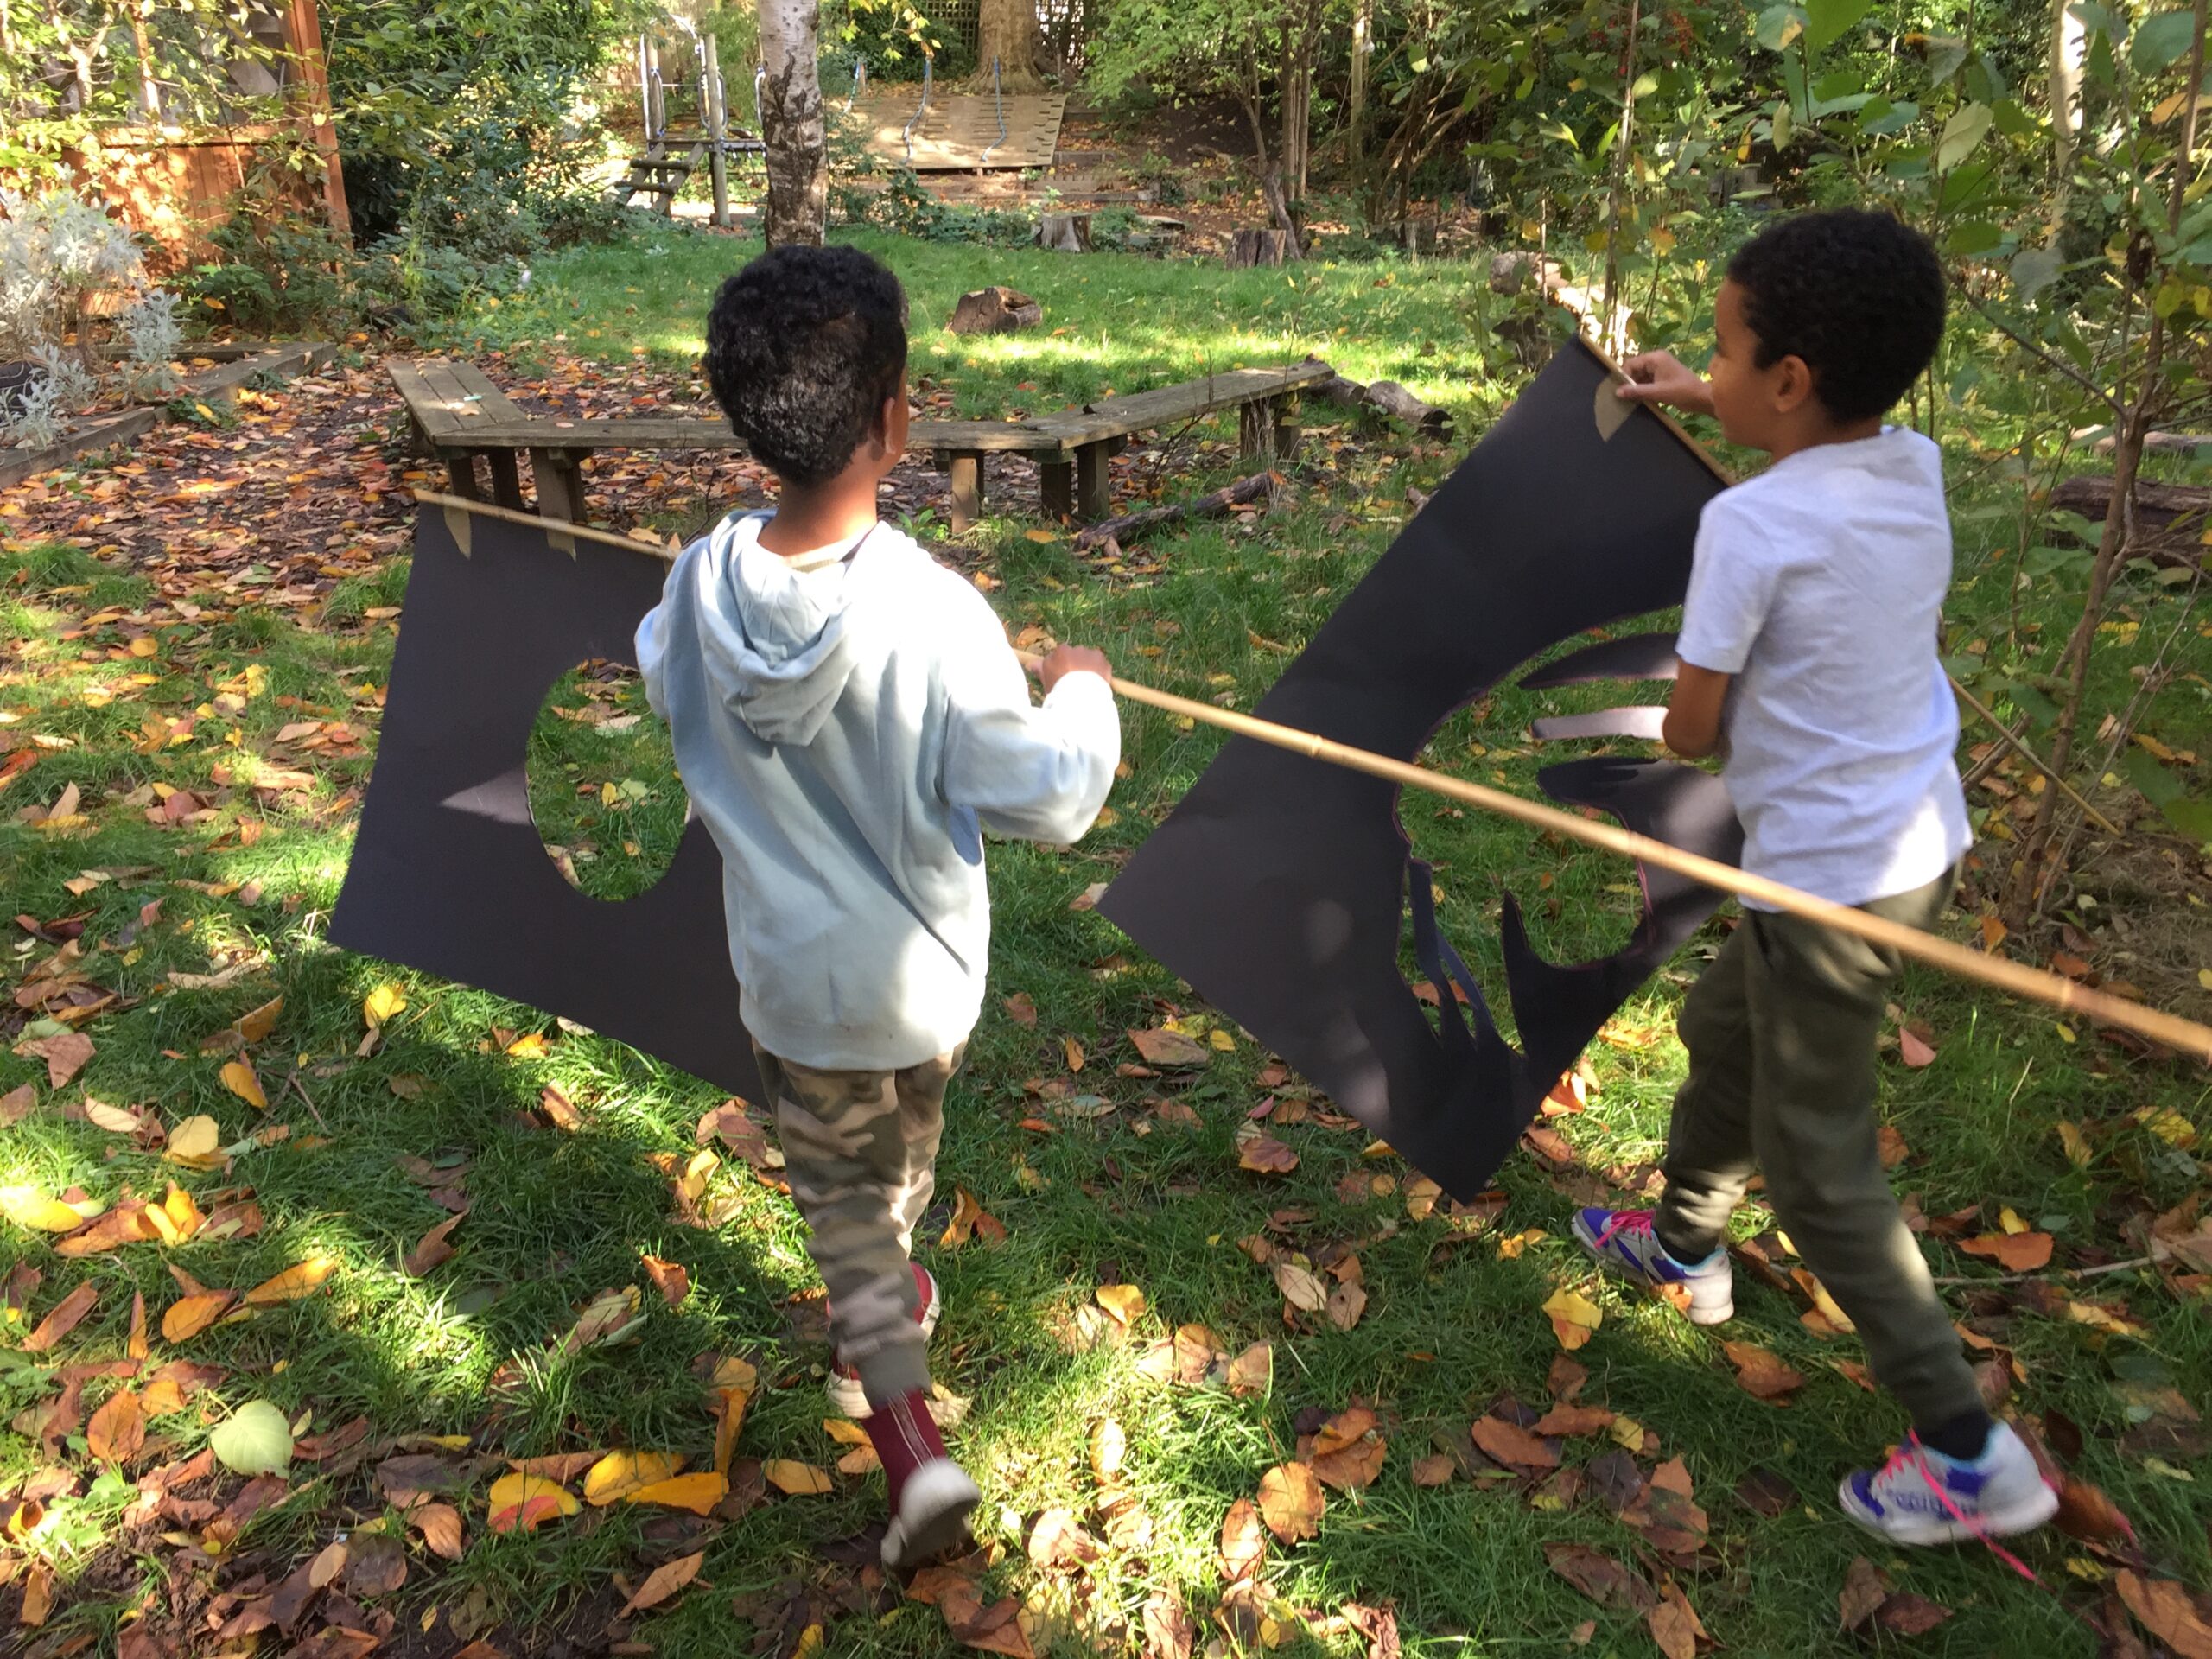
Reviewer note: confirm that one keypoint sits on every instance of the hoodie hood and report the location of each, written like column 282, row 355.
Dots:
column 777, row 642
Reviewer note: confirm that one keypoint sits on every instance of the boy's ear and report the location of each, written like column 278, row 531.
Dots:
column 1793, row 383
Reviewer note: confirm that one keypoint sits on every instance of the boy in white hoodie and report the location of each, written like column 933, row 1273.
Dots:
column 848, row 718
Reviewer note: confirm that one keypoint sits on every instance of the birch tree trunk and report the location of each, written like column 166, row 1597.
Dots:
column 2069, row 48
column 791, row 124
column 1362, row 48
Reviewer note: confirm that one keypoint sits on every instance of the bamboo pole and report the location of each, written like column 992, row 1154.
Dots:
column 2001, row 973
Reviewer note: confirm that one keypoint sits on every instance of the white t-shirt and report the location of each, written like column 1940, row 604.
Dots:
column 1817, row 585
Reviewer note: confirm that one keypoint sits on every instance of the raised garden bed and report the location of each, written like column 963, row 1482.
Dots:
column 233, row 366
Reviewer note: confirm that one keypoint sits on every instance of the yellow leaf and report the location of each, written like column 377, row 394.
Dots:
column 257, row 1023
column 2065, row 1032
column 735, row 1373
column 238, row 1078
column 798, row 1479
column 522, row 1502
column 118, row 1428
column 1222, row 1040
column 2008, row 1219
column 2076, row 1145
column 29, row 1207
column 729, row 1422
column 698, row 1493
column 193, row 1143
column 2204, row 977
column 1041, row 537
column 1124, row 1302
column 845, row 1432
column 620, row 1473
column 293, row 1282
column 663, row 1582
column 189, row 1315
column 1574, row 1317
column 383, row 1002
column 528, row 1046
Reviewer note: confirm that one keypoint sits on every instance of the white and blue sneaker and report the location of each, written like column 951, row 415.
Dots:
column 1921, row 1497
column 1622, row 1240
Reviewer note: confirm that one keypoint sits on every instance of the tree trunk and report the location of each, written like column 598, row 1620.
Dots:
column 1362, row 48
column 1008, row 30
column 1622, row 139
column 791, row 124
column 2070, row 47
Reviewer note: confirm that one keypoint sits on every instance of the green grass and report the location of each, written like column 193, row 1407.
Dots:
column 554, row 1217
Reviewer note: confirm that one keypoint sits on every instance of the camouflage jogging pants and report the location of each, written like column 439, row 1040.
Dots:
column 859, row 1149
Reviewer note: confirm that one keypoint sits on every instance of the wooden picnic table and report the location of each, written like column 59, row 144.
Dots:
column 458, row 414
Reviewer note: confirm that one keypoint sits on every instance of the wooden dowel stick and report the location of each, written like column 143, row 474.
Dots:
column 2033, row 984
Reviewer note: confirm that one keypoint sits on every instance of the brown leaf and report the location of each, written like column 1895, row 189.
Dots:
column 1291, row 1502
column 376, row 1564
column 969, row 1220
column 2086, row 1513
column 663, row 1582
column 1766, row 1493
column 1675, row 1624
column 1435, row 1470
column 17, row 1103
column 1252, row 1371
column 1169, row 1631
column 38, row 1595
column 64, row 1317
column 1263, row 1154
column 1059, row 1540
column 1513, row 1445
column 1574, row 1419
column 1021, row 1009
column 1906, row 1614
column 1912, row 1050
column 1349, row 1452
column 994, row 1628
column 1243, row 1544
column 2166, row 1610
column 1761, row 1374
column 1565, row 1379
column 118, row 1428
column 1170, row 1049
column 1298, row 1284
column 1601, row 1578
column 64, row 1055
column 435, row 1248
column 1072, row 1051
column 2016, row 1252
column 669, row 1278
column 440, row 1525
column 1865, row 1587
column 559, row 1109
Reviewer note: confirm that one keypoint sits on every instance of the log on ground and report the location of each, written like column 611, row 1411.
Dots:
column 2171, row 519
column 1130, row 526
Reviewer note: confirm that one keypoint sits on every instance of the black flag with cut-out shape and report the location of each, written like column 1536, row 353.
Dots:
column 1281, row 887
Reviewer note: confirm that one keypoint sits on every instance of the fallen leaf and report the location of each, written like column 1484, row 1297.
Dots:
column 303, row 1279
column 38, row 1595
column 1349, row 1451
column 64, row 1317
column 17, row 1103
column 1601, row 1578
column 1124, row 1302
column 1171, row 1049
column 1865, row 1587
column 698, row 1493
column 1513, row 1445
column 796, row 1479
column 669, row 1278
column 238, row 1077
column 1912, row 1050
column 1906, row 1614
column 1435, row 1470
column 969, row 1220
column 65, row 1054
column 187, row 1316
column 1346, row 1303
column 1021, row 1009
column 2166, row 1610
column 1252, row 1371
column 255, row 1440
column 609, row 1318
column 1264, row 1156
column 380, row 1004
column 663, row 1582
column 1673, row 1623
column 118, row 1428
column 433, row 1248
column 193, row 1142
column 1298, row 1284
column 1574, row 1317
column 554, row 1102
column 1761, row 1374
column 525, row 1502
column 440, row 1527
column 29, row 1208
column 1569, row 1419
column 257, row 1023
column 1291, row 1502
column 2016, row 1252
column 620, row 1473
column 1243, row 1544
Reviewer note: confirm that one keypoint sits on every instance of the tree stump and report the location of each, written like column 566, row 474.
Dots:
column 994, row 311
column 1065, row 232
column 1510, row 273
column 1248, row 248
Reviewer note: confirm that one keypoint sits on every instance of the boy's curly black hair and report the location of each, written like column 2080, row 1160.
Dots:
column 803, row 346
column 1856, row 294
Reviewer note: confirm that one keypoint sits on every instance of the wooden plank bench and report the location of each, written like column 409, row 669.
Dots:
column 458, row 414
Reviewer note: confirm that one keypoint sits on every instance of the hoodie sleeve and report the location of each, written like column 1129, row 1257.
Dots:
column 1037, row 771
column 652, row 653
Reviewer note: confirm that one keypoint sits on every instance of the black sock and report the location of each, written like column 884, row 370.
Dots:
column 1962, row 1439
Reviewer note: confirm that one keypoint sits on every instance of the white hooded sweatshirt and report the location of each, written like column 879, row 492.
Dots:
column 846, row 724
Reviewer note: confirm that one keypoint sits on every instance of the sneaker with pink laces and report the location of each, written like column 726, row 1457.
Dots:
column 1622, row 1240
column 847, row 1397
column 1921, row 1497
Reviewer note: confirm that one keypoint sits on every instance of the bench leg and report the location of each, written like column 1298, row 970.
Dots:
column 1255, row 432
column 967, row 471
column 1094, row 491
column 460, row 473
column 507, row 480
column 1056, row 488
column 1286, row 428
column 560, row 485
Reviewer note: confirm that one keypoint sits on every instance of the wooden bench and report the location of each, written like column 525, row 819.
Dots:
column 458, row 414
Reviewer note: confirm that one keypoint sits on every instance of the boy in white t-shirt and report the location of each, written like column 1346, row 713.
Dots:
column 1809, row 655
